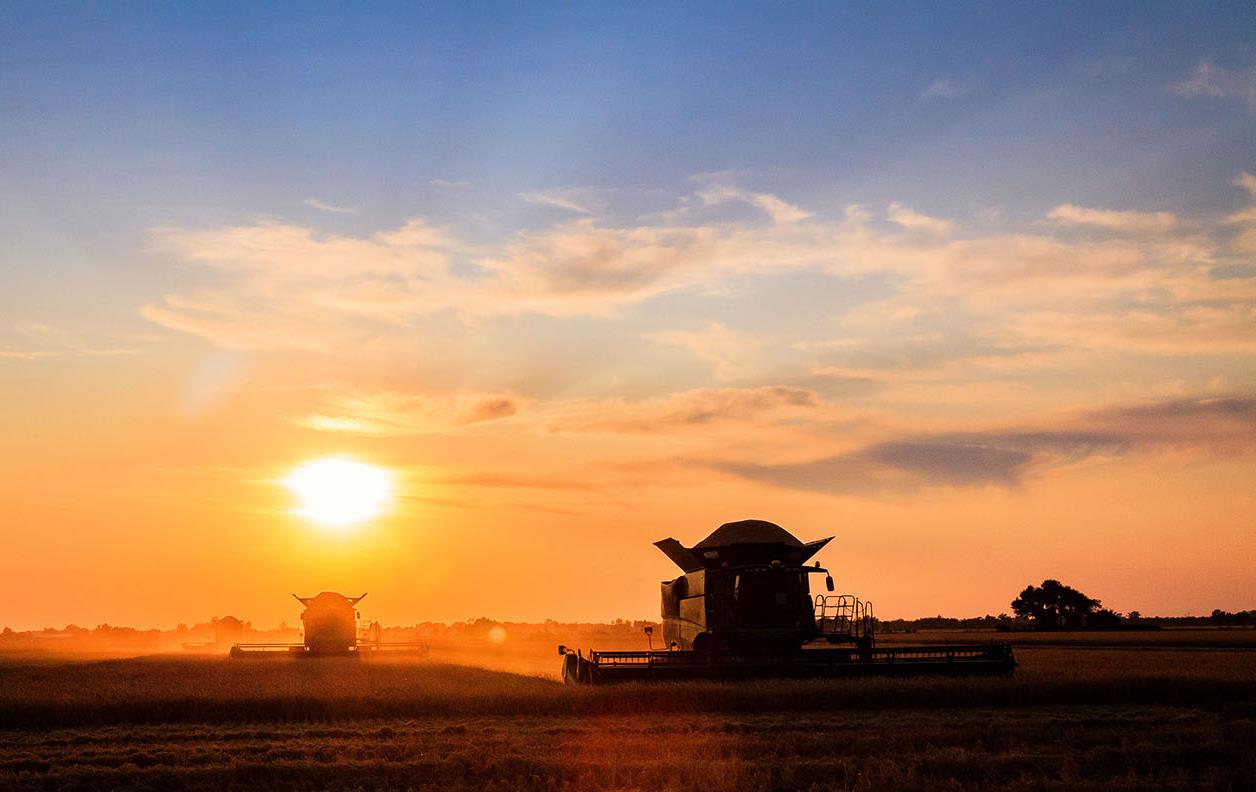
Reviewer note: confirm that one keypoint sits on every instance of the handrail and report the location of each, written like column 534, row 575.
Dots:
column 845, row 616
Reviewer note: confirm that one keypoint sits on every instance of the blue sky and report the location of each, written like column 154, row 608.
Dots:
column 236, row 108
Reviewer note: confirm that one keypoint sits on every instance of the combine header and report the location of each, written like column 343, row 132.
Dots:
column 332, row 630
column 743, row 608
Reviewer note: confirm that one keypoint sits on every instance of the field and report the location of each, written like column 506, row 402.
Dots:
column 1167, row 710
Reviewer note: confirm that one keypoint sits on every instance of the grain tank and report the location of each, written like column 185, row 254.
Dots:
column 331, row 623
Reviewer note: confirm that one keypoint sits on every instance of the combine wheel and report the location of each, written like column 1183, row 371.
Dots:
column 571, row 669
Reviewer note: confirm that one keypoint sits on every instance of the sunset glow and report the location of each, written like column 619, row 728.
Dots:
column 385, row 298
column 340, row 492
column 709, row 396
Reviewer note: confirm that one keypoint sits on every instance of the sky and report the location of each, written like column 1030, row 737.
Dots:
column 972, row 288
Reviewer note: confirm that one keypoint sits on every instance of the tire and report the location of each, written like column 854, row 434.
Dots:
column 571, row 669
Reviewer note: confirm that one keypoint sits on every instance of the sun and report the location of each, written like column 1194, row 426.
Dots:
column 338, row 491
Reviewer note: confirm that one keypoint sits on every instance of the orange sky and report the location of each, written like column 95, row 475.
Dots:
column 123, row 508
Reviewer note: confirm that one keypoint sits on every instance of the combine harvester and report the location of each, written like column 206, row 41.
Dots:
column 331, row 630
column 743, row 609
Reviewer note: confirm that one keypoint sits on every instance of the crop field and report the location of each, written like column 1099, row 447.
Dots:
column 1099, row 715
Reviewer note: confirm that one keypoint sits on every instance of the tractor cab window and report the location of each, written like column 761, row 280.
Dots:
column 767, row 598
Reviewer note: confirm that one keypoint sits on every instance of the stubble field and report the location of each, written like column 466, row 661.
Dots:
column 1171, row 710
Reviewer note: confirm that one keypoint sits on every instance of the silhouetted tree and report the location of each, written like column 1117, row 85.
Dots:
column 1103, row 619
column 1222, row 618
column 1054, row 605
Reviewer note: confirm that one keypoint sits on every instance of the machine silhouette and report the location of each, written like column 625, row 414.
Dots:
column 331, row 630
column 743, row 608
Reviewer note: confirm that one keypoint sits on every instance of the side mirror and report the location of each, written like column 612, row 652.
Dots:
column 828, row 582
column 649, row 629
column 562, row 650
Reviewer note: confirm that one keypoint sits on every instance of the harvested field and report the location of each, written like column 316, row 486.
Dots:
column 1072, row 718
column 1017, row 748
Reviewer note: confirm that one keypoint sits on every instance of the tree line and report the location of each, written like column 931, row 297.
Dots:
column 1056, row 606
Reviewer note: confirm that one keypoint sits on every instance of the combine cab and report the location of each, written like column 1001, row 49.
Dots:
column 331, row 630
column 743, row 607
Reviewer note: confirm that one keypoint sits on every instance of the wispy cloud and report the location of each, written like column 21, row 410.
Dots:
column 902, row 465
column 39, row 341
column 393, row 414
column 1209, row 79
column 573, row 199
column 448, row 184
column 702, row 408
column 287, row 282
column 942, row 89
column 1136, row 222
column 1004, row 458
column 1246, row 215
column 914, row 221
column 782, row 212
column 1147, row 286
column 327, row 207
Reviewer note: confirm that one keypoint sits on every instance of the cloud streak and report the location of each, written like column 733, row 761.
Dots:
column 1218, row 82
column 1129, row 222
column 914, row 221
column 393, row 414
column 41, row 341
column 327, row 207
column 572, row 199
column 1003, row 458
column 696, row 409
column 780, row 211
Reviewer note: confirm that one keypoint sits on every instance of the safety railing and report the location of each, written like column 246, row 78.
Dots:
column 844, row 617
column 370, row 635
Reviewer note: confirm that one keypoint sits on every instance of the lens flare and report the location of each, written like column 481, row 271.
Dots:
column 340, row 492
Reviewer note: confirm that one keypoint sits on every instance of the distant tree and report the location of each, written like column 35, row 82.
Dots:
column 1135, row 616
column 1054, row 605
column 1222, row 618
column 1103, row 619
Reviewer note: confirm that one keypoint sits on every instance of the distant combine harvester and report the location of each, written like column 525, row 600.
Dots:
column 743, row 608
column 228, row 631
column 332, row 630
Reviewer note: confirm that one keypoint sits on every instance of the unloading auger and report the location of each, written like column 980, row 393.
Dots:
column 743, row 607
